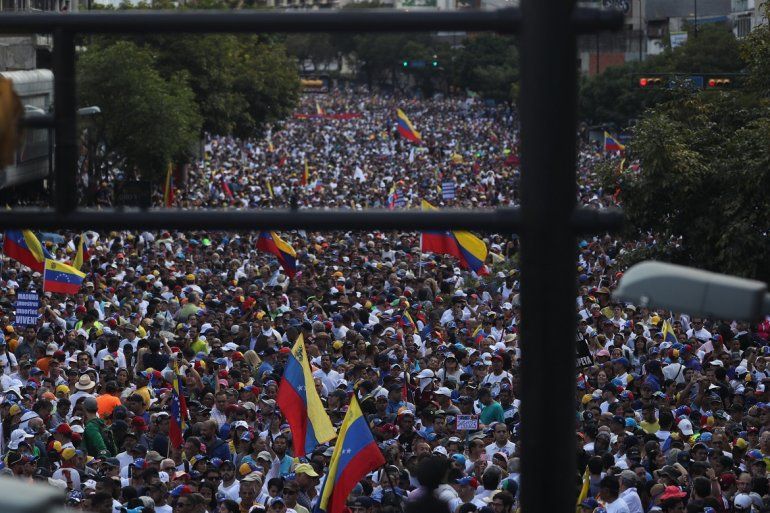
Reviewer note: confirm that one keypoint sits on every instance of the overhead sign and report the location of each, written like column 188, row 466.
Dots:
column 27, row 306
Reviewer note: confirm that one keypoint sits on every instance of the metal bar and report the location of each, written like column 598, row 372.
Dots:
column 65, row 121
column 589, row 220
column 505, row 220
column 502, row 20
column 38, row 121
column 548, row 256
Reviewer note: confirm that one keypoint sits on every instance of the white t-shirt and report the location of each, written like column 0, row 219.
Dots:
column 232, row 491
column 617, row 506
column 493, row 448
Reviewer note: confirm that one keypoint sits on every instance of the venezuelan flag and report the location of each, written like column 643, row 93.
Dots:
column 168, row 189
column 479, row 335
column 611, row 143
column 81, row 254
column 305, row 175
column 464, row 246
column 355, row 455
column 318, row 110
column 61, row 278
column 23, row 246
column 406, row 320
column 178, row 410
column 270, row 242
column 406, row 129
column 668, row 333
column 583, row 495
column 300, row 404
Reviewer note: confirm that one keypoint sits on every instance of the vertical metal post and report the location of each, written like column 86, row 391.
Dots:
column 65, row 121
column 548, row 108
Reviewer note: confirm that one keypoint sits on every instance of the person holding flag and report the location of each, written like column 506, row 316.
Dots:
column 355, row 455
column 300, row 403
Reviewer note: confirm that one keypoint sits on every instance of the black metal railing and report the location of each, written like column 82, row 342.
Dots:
column 547, row 221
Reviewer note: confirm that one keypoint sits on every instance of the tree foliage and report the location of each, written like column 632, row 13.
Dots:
column 146, row 119
column 488, row 64
column 704, row 170
column 240, row 82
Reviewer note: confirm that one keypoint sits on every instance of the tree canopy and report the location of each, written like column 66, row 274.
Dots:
column 146, row 120
column 704, row 168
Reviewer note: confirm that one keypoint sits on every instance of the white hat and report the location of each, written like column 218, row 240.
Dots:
column 425, row 374
column 85, row 383
column 743, row 501
column 685, row 426
column 51, row 349
column 230, row 347
column 507, row 306
column 444, row 391
column 440, row 450
column 18, row 436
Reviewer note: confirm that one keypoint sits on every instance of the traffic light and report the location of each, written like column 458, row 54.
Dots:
column 405, row 64
column 650, row 82
column 434, row 64
column 714, row 83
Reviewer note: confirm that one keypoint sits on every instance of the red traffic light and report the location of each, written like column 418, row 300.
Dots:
column 719, row 82
column 650, row 81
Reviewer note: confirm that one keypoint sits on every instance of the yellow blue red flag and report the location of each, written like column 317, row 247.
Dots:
column 300, row 403
column 355, row 455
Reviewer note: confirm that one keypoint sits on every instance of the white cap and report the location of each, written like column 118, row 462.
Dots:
column 444, row 391
column 17, row 437
column 685, row 426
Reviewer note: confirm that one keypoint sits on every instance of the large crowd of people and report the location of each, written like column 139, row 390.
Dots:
column 672, row 414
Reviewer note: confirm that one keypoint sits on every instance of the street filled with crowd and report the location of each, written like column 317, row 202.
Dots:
column 363, row 372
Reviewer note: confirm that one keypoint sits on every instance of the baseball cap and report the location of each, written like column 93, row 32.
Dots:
column 307, row 469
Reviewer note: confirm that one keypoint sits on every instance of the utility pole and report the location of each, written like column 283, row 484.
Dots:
column 641, row 31
column 695, row 29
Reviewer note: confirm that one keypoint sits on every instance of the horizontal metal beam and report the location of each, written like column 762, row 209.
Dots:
column 502, row 220
column 364, row 20
column 38, row 121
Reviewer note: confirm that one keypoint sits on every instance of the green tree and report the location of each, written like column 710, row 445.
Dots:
column 241, row 82
column 705, row 169
column 146, row 120
column 488, row 64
